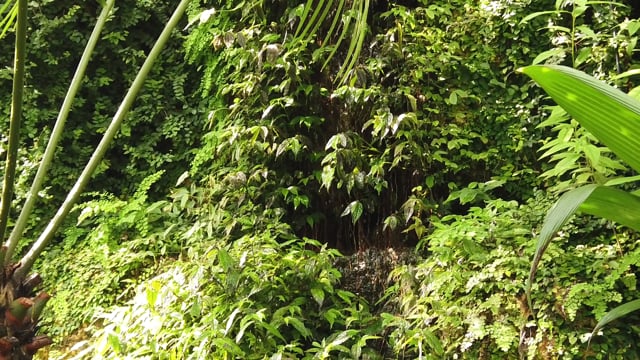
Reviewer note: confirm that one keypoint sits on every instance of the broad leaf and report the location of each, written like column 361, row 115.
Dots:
column 608, row 113
column 614, row 204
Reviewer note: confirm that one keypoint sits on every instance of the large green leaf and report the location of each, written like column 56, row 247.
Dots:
column 614, row 204
column 556, row 217
column 616, row 313
column 603, row 201
column 608, row 113
column 614, row 118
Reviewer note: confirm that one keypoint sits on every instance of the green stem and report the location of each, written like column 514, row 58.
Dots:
column 16, row 115
column 56, row 134
column 7, row 19
column 44, row 238
column 360, row 30
column 573, row 37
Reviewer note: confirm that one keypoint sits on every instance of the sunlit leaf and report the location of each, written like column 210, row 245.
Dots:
column 299, row 326
column 231, row 320
column 244, row 324
column 622, row 180
column 272, row 330
column 228, row 345
column 433, row 342
column 453, row 98
column 547, row 54
column 152, row 293
column 318, row 295
column 540, row 13
column 225, row 259
column 608, row 113
column 342, row 337
column 390, row 222
column 267, row 111
column 356, row 211
column 614, row 204
column 328, row 173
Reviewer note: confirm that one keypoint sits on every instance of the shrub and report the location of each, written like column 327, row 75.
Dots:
column 257, row 297
column 466, row 300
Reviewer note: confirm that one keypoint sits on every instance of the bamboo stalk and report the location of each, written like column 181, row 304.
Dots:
column 16, row 115
column 29, row 258
column 56, row 134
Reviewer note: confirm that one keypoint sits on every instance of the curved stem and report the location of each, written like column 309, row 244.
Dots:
column 76, row 82
column 16, row 115
column 44, row 238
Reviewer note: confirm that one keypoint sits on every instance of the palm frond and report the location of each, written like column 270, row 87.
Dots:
column 8, row 12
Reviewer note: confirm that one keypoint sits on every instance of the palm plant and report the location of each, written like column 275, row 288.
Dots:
column 614, row 118
column 22, row 305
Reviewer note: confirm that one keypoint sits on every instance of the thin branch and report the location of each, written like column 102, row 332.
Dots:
column 56, row 134
column 16, row 116
column 44, row 238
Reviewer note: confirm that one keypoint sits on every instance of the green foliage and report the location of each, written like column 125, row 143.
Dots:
column 575, row 152
column 165, row 119
column 114, row 245
column 466, row 299
column 582, row 38
column 257, row 297
column 423, row 115
column 305, row 138
column 461, row 299
column 611, row 116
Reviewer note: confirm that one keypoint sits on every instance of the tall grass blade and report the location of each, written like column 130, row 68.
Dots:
column 11, row 9
column 326, row 8
column 346, row 21
column 303, row 19
column 316, row 18
column 361, row 9
column 360, row 33
column 557, row 216
column 334, row 23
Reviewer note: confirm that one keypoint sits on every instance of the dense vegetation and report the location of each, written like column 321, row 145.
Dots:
column 337, row 179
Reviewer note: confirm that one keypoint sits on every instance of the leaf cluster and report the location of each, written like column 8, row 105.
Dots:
column 466, row 299
column 113, row 246
column 423, row 114
column 254, row 297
